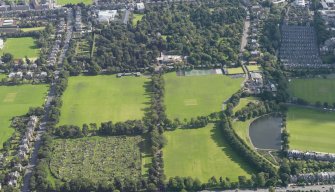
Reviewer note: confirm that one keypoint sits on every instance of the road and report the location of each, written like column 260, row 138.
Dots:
column 321, row 188
column 33, row 159
column 68, row 35
column 245, row 35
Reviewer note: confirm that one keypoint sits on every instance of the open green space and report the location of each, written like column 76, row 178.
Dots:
column 27, row 47
column 96, row 99
column 16, row 101
column 311, row 129
column 201, row 153
column 99, row 159
column 313, row 90
column 32, row 29
column 244, row 102
column 242, row 130
column 136, row 18
column 64, row 2
column 193, row 96
column 234, row 71
column 254, row 68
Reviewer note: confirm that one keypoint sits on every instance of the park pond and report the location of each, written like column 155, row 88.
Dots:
column 265, row 132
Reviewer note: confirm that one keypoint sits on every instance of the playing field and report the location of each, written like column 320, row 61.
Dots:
column 64, row 2
column 96, row 99
column 313, row 90
column 234, row 71
column 27, row 47
column 311, row 129
column 254, row 68
column 137, row 17
column 193, row 96
column 15, row 101
column 201, row 153
column 32, row 29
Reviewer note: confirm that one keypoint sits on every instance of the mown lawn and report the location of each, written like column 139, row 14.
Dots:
column 311, row 129
column 96, row 99
column 64, row 2
column 193, row 96
column 234, row 71
column 136, row 18
column 16, row 101
column 21, row 47
column 32, row 29
column 242, row 130
column 244, row 102
column 313, row 90
column 254, row 67
column 201, row 153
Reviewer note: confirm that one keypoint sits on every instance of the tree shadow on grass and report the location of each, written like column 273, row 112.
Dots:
column 144, row 146
column 218, row 138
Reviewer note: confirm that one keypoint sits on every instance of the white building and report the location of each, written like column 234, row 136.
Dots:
column 140, row 6
column 300, row 3
column 107, row 15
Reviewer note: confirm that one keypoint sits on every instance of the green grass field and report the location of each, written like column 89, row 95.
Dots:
column 96, row 99
column 244, row 102
column 242, row 130
column 254, row 68
column 15, row 101
column 193, row 96
column 201, row 153
column 234, row 71
column 64, row 2
column 311, row 129
column 27, row 47
column 137, row 17
column 32, row 29
column 313, row 90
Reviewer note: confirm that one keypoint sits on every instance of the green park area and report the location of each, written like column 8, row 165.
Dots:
column 16, row 101
column 313, row 90
column 96, row 99
column 27, row 47
column 254, row 68
column 99, row 159
column 32, row 29
column 311, row 129
column 64, row 2
column 201, row 153
column 136, row 18
column 192, row 96
column 235, row 71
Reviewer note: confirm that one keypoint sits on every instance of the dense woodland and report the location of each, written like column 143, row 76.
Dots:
column 207, row 34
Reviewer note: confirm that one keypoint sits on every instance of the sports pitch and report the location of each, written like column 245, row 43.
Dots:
column 311, row 129
column 313, row 90
column 201, row 153
column 27, row 48
column 16, row 101
column 193, row 96
column 96, row 99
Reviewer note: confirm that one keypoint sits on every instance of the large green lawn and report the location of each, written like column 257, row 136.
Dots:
column 96, row 99
column 32, row 29
column 193, row 96
column 64, row 2
column 313, row 90
column 21, row 47
column 15, row 101
column 201, row 153
column 136, row 18
column 311, row 129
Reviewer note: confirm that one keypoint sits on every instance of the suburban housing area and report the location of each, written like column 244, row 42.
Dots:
column 176, row 95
